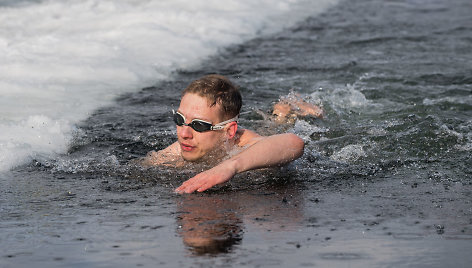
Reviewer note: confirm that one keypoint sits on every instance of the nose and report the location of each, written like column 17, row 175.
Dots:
column 185, row 132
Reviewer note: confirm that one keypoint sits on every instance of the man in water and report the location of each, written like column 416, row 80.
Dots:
column 207, row 130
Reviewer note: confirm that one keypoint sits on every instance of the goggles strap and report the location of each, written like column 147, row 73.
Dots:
column 223, row 124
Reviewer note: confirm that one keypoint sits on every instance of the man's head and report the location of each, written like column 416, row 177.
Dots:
column 214, row 99
column 217, row 89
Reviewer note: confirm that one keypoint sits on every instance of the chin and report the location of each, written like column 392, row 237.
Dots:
column 191, row 158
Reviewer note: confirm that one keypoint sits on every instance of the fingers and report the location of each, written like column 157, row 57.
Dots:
column 186, row 187
column 206, row 180
column 191, row 188
column 199, row 183
column 196, row 183
column 204, row 188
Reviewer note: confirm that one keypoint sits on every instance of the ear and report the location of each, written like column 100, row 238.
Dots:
column 231, row 129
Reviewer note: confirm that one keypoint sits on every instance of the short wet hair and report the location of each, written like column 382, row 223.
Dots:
column 217, row 89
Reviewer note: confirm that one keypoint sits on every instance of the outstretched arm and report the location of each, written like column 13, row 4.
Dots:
column 264, row 152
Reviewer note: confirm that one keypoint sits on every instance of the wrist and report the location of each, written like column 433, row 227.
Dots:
column 234, row 165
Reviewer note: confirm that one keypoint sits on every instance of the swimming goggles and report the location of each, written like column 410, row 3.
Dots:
column 200, row 125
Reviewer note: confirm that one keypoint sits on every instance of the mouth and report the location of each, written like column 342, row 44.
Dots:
column 186, row 147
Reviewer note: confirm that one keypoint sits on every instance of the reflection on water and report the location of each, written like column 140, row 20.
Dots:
column 208, row 224
column 214, row 223
column 385, row 178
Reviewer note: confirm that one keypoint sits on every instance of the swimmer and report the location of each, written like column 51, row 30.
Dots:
column 291, row 106
column 207, row 129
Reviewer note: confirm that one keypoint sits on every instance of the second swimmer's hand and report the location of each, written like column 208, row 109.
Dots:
column 207, row 179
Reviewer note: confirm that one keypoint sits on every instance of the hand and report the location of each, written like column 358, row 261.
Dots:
column 207, row 179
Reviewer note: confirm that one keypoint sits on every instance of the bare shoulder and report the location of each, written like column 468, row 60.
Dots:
column 167, row 156
column 173, row 149
column 247, row 137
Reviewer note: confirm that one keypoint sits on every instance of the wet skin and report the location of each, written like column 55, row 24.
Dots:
column 194, row 145
column 256, row 151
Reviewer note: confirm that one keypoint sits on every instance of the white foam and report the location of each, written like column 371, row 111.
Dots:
column 32, row 137
column 454, row 100
column 465, row 136
column 342, row 99
column 61, row 59
column 304, row 129
column 349, row 153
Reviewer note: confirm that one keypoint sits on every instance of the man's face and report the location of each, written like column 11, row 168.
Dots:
column 194, row 145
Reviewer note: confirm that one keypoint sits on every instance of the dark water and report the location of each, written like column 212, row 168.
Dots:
column 385, row 179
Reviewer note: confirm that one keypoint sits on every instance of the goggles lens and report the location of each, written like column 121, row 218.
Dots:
column 200, row 125
column 196, row 124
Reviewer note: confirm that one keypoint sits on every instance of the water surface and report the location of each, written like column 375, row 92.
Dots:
column 385, row 179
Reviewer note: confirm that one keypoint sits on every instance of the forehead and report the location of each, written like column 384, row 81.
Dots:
column 193, row 106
